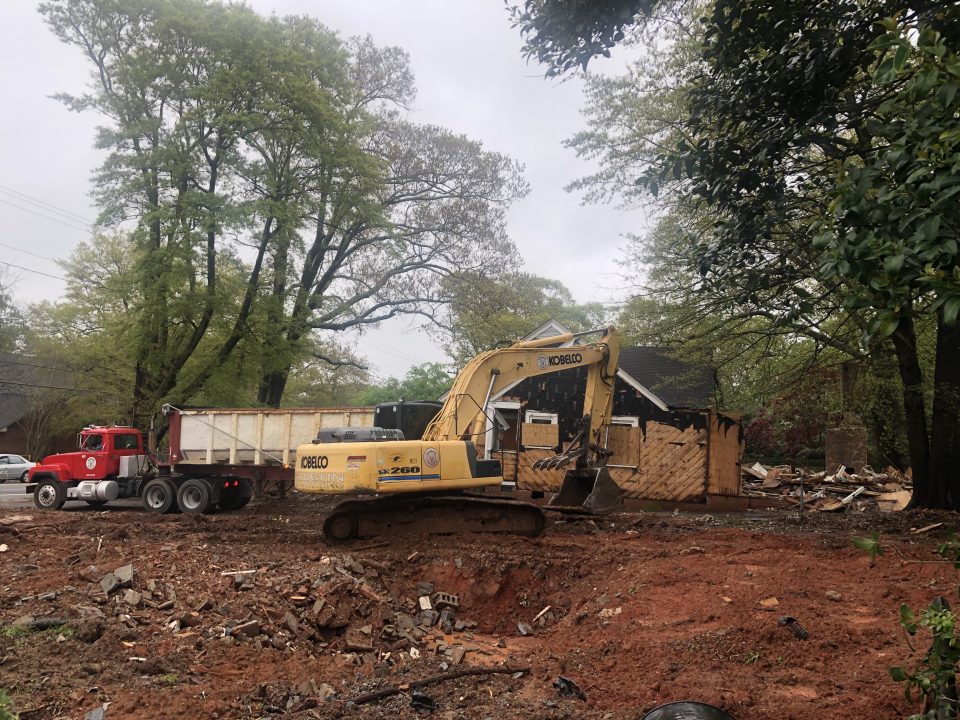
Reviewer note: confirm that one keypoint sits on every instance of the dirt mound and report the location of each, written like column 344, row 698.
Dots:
column 253, row 614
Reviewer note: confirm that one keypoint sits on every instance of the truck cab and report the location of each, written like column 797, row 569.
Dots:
column 105, row 466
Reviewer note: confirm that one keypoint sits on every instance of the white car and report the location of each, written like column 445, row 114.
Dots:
column 14, row 467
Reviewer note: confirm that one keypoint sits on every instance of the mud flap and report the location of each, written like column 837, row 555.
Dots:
column 594, row 490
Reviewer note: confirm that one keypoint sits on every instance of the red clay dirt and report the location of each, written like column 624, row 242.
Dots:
column 643, row 609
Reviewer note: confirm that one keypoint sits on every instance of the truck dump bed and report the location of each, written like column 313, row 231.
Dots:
column 252, row 436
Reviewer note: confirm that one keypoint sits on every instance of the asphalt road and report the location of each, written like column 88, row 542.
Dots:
column 13, row 494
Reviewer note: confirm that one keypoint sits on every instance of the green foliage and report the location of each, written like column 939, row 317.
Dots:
column 894, row 223
column 15, row 632
column 276, row 191
column 12, row 324
column 6, row 707
column 870, row 545
column 422, row 382
column 933, row 680
column 487, row 311
column 567, row 34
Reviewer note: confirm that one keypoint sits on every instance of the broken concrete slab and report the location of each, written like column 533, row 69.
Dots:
column 109, row 583
column 124, row 575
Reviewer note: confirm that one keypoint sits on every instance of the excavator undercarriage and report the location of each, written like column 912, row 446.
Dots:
column 415, row 514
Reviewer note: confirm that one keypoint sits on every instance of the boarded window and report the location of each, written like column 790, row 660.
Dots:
column 539, row 435
column 624, row 441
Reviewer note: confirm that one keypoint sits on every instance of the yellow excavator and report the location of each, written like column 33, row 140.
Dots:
column 420, row 484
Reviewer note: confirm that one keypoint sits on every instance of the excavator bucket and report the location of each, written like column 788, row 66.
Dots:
column 593, row 490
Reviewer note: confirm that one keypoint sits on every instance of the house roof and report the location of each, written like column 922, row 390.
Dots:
column 676, row 383
column 549, row 329
column 20, row 377
column 663, row 380
column 15, row 377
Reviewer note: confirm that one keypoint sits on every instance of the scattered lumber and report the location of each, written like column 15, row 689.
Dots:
column 839, row 491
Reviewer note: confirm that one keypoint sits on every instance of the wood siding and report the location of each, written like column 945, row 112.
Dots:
column 671, row 464
column 725, row 450
column 675, row 455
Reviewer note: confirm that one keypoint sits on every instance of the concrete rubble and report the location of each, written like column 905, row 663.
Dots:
column 343, row 608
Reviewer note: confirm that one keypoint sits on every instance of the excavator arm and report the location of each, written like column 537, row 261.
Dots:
column 588, row 484
column 489, row 373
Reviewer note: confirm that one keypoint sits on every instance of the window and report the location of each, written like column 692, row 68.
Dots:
column 126, row 442
column 4, row 460
column 93, row 443
column 625, row 420
column 541, row 418
column 16, row 460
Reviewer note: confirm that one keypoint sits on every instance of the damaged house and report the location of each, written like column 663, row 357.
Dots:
column 668, row 444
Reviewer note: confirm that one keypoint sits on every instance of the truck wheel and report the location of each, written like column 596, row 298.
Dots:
column 235, row 497
column 159, row 496
column 194, row 496
column 49, row 495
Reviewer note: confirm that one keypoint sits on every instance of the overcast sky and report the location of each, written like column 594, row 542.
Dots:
column 470, row 77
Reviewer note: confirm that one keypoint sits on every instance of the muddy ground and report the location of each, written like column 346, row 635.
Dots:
column 253, row 614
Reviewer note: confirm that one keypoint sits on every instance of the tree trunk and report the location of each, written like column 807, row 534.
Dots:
column 272, row 386
column 914, row 410
column 944, row 472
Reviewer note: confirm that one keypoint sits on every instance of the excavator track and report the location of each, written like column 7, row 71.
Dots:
column 409, row 514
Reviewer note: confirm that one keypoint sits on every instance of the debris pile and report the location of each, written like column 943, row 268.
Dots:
column 887, row 491
column 334, row 605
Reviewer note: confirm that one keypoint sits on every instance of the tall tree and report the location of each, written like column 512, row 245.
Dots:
column 11, row 319
column 825, row 120
column 835, row 119
column 422, row 382
column 485, row 311
column 274, row 141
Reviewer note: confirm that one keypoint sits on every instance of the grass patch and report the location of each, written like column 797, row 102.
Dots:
column 19, row 632
column 170, row 679
column 15, row 632
column 6, row 707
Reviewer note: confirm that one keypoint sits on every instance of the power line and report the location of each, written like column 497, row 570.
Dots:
column 47, row 217
column 27, row 252
column 38, row 272
column 44, row 204
column 36, row 365
column 51, row 387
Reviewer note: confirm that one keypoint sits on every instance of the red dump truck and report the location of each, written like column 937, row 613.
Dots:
column 217, row 458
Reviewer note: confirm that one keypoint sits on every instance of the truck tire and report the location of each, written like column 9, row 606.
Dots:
column 236, row 497
column 49, row 494
column 159, row 496
column 233, row 501
column 195, row 496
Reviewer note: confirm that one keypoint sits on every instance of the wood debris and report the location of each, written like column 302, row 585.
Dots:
column 838, row 491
